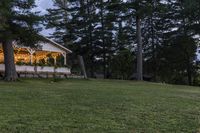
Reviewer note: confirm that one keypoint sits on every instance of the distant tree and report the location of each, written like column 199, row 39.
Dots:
column 18, row 23
column 101, row 30
column 153, row 35
column 138, row 9
column 191, row 12
column 75, row 24
column 89, row 25
column 122, row 64
column 178, row 57
column 180, row 35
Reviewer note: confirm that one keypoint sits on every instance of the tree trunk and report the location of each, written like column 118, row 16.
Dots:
column 10, row 70
column 91, row 53
column 103, row 39
column 139, row 52
column 154, row 56
column 189, row 72
column 82, row 64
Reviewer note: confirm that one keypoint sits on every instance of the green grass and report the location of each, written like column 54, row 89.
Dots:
column 97, row 106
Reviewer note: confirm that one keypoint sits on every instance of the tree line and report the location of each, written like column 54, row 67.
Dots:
column 138, row 39
column 121, row 39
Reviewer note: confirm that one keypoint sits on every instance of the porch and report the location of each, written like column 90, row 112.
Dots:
column 46, row 59
column 39, row 71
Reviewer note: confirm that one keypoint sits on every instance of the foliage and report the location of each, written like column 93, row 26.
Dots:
column 60, row 61
column 178, row 64
column 98, row 30
column 18, row 21
column 122, row 64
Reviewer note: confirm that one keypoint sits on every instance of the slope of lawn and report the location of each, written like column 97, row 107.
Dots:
column 98, row 106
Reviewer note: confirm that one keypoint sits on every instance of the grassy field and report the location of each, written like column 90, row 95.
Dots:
column 97, row 106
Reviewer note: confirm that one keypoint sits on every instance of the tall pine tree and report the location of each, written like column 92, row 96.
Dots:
column 18, row 24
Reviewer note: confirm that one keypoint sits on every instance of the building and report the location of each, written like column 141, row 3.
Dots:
column 46, row 58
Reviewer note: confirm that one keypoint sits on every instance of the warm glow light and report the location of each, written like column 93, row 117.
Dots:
column 23, row 55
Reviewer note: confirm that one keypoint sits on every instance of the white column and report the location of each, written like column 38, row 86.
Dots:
column 31, row 58
column 31, row 51
column 55, row 60
column 65, row 58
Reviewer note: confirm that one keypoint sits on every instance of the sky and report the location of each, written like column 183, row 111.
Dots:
column 42, row 5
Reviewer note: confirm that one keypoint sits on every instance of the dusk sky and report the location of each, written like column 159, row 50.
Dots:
column 42, row 6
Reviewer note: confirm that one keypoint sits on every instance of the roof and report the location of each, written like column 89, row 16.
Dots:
column 56, row 44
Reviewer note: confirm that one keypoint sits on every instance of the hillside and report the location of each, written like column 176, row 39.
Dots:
column 98, row 106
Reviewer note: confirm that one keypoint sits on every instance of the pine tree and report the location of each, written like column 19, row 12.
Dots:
column 101, row 29
column 87, row 24
column 105, row 33
column 74, row 22
column 138, row 9
column 178, row 34
column 18, row 24
column 153, row 35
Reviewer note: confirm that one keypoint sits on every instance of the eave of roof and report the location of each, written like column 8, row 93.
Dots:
column 58, row 45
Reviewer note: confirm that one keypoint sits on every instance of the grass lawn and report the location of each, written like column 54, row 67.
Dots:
column 97, row 106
